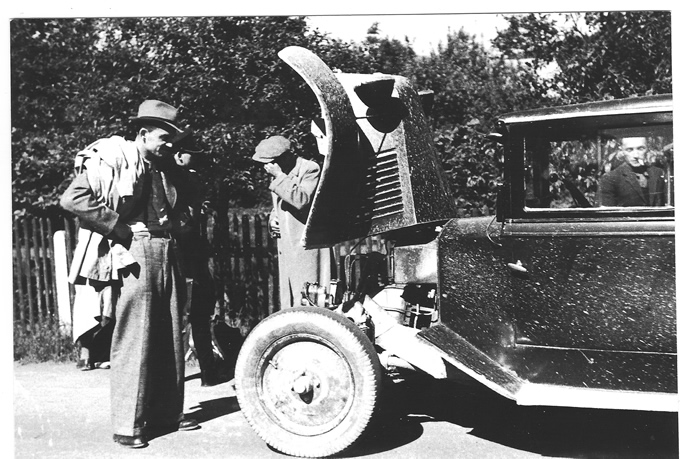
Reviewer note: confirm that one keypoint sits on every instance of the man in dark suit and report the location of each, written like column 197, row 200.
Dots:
column 633, row 183
column 194, row 254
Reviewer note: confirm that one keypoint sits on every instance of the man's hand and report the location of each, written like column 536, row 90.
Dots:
column 121, row 233
column 274, row 228
column 273, row 169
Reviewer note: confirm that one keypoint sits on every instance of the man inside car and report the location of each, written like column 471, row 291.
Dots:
column 635, row 182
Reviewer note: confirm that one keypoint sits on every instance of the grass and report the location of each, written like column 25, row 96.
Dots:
column 44, row 342
column 49, row 342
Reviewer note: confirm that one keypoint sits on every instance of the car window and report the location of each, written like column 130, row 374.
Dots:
column 618, row 167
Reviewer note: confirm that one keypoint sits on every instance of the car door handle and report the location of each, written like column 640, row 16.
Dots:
column 518, row 267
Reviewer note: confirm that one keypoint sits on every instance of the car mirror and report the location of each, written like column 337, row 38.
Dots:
column 496, row 137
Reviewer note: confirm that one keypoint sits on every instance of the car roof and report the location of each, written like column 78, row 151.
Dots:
column 645, row 104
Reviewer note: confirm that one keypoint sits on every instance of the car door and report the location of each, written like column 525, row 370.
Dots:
column 605, row 284
column 583, row 276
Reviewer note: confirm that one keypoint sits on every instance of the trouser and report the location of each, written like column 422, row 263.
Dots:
column 98, row 341
column 147, row 374
column 201, row 312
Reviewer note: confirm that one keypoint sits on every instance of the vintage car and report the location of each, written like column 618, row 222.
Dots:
column 557, row 300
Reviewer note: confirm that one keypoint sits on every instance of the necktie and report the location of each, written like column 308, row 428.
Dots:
column 159, row 211
column 642, row 179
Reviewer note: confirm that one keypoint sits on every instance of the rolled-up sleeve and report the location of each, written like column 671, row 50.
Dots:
column 80, row 200
column 297, row 191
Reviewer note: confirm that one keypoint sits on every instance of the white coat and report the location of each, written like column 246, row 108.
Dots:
column 292, row 194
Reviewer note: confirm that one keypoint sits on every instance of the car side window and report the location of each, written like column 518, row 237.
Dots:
column 627, row 167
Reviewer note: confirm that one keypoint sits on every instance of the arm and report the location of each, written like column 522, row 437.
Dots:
column 79, row 199
column 274, row 225
column 606, row 193
column 298, row 195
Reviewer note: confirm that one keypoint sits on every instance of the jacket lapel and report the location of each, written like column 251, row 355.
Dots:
column 169, row 190
column 634, row 184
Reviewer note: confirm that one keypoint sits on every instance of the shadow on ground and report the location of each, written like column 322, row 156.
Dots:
column 553, row 432
column 203, row 412
column 212, row 409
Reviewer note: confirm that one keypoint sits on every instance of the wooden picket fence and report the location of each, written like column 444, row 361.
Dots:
column 35, row 266
column 244, row 264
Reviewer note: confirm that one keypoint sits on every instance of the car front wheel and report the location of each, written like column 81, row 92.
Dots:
column 308, row 380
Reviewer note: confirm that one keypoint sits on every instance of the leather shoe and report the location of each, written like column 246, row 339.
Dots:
column 209, row 378
column 188, row 424
column 85, row 365
column 135, row 441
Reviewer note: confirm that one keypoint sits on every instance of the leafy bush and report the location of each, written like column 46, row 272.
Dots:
column 43, row 342
column 470, row 161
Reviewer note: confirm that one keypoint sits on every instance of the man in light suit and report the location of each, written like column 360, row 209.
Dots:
column 294, row 181
column 633, row 183
column 127, row 208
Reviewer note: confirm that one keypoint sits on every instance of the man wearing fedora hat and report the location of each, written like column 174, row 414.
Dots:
column 127, row 207
column 293, row 183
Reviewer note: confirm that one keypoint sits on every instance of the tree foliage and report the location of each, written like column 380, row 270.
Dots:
column 76, row 80
column 472, row 88
column 606, row 55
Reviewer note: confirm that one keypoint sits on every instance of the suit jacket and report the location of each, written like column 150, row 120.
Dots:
column 621, row 188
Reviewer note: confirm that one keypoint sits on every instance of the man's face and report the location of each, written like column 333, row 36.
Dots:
column 634, row 150
column 153, row 139
column 283, row 160
column 184, row 159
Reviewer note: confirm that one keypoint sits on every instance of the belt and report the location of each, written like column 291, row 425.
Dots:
column 166, row 234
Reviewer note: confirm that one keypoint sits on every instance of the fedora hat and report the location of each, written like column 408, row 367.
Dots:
column 157, row 113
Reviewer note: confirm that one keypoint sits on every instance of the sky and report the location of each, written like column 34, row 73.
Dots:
column 424, row 31
column 424, row 22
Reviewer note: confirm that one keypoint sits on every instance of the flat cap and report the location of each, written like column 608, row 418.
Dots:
column 271, row 148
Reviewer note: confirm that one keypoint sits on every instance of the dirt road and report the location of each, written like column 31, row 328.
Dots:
column 64, row 413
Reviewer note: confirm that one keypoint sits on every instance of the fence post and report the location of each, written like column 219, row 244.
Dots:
column 237, row 285
column 70, row 244
column 37, row 271
column 260, row 276
column 272, row 263
column 18, row 274
column 61, row 281
column 45, row 267
column 51, row 266
column 27, row 269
